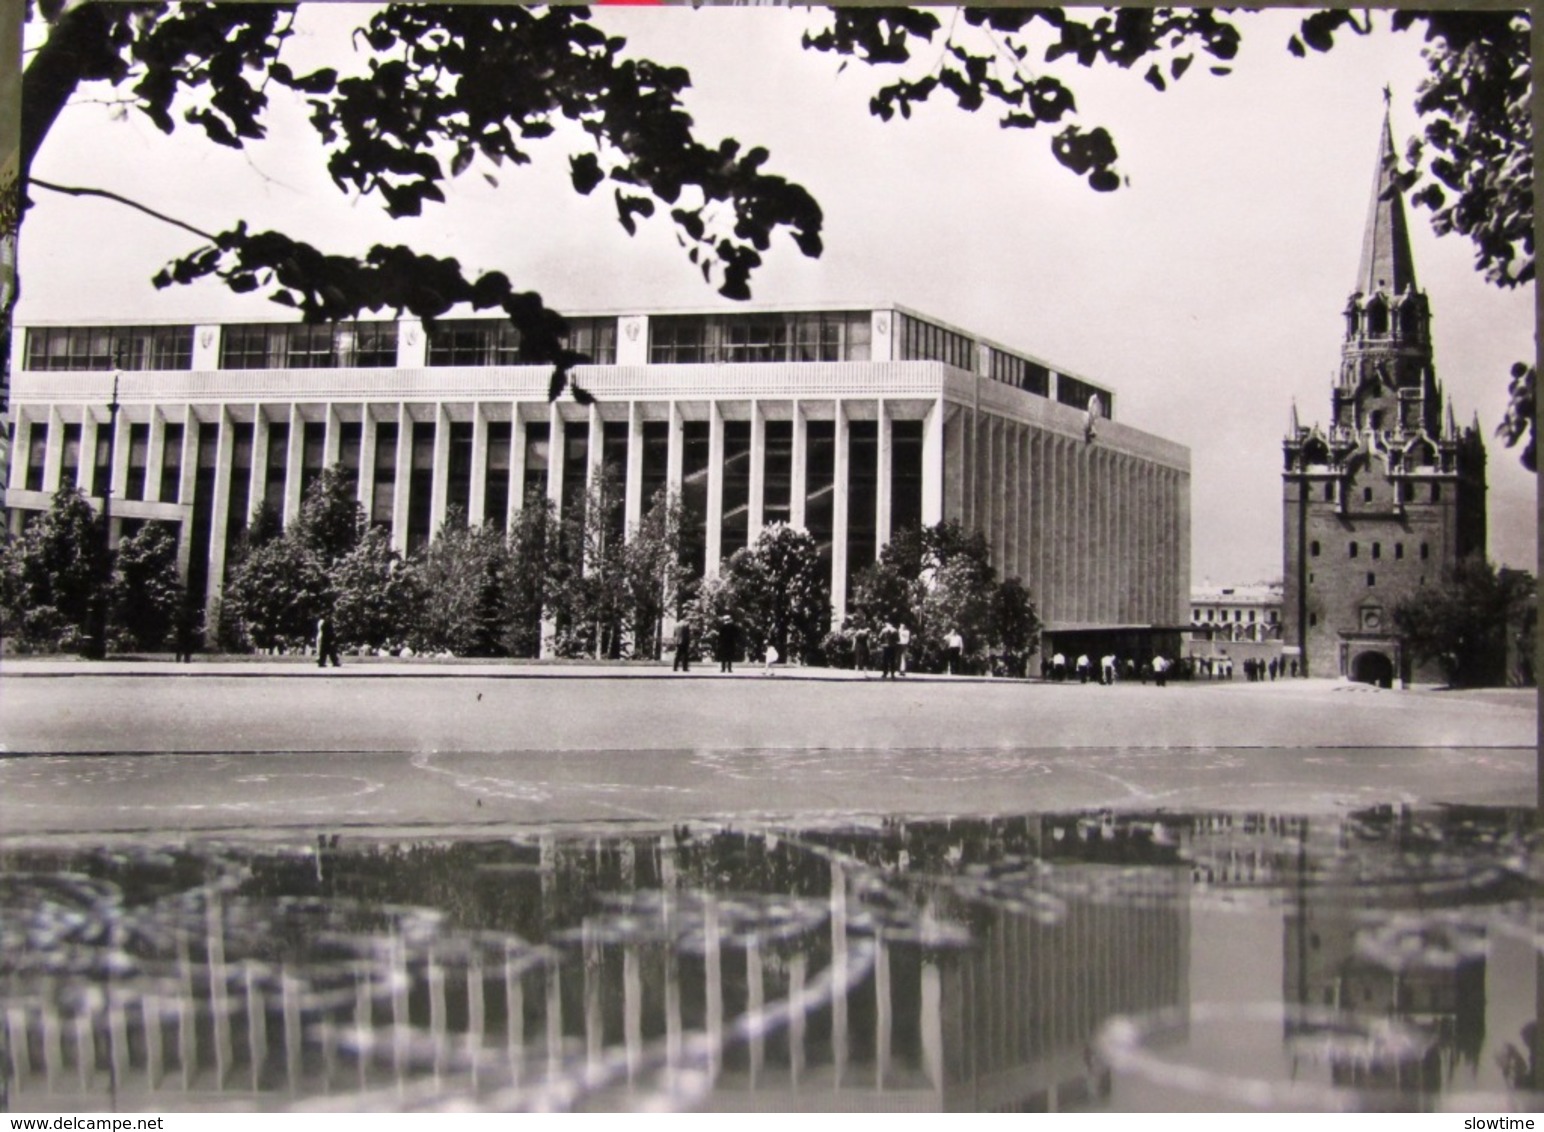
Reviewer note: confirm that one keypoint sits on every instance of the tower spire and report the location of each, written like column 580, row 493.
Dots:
column 1386, row 261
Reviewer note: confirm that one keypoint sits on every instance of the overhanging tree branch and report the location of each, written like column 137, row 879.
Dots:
column 83, row 191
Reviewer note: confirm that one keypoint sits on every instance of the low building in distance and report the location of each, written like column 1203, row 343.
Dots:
column 850, row 423
column 1236, row 623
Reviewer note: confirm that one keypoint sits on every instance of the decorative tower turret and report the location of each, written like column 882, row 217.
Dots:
column 1392, row 494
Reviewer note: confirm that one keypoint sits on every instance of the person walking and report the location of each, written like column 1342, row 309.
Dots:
column 902, row 644
column 326, row 642
column 728, row 642
column 887, row 651
column 1107, row 669
column 860, row 647
column 1160, row 671
column 956, row 645
column 769, row 660
column 185, row 630
column 1058, row 668
column 1082, row 667
column 683, row 648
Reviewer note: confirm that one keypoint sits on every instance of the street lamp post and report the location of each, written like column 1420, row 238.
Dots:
column 96, row 645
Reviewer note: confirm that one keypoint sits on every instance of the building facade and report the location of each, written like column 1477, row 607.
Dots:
column 1236, row 623
column 849, row 423
column 1391, row 494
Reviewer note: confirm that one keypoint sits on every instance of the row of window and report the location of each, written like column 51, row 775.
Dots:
column 1406, row 491
column 813, row 336
column 107, row 347
column 1238, row 615
column 1376, row 549
column 456, row 342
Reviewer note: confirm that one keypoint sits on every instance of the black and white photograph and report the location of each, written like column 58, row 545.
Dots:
column 760, row 558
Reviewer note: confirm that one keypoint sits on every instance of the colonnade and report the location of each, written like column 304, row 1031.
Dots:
column 1097, row 528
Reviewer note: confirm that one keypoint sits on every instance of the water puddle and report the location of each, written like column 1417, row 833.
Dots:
column 1083, row 960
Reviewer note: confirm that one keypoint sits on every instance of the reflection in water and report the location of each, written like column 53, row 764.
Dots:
column 1037, row 963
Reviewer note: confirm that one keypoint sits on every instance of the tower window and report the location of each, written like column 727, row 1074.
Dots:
column 1436, row 493
column 1310, row 579
column 1407, row 493
column 1313, row 548
column 1377, row 550
column 1313, row 619
column 1399, row 550
column 1366, row 495
column 1377, row 418
column 1353, row 550
column 1329, row 493
column 1372, row 579
column 1425, row 551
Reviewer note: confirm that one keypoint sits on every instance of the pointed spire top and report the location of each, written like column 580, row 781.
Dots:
column 1292, row 426
column 1449, row 425
column 1386, row 261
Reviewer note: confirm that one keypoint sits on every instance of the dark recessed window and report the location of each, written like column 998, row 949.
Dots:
column 1399, row 550
column 1425, row 551
column 1313, row 548
column 1377, row 550
column 1372, row 579
column 1353, row 550
column 1366, row 495
column 1313, row 619
column 1329, row 493
column 1436, row 493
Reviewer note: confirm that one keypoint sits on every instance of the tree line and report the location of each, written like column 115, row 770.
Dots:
column 579, row 584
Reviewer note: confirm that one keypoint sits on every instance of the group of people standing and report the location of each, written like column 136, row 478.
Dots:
column 1111, row 669
column 891, row 640
column 726, row 647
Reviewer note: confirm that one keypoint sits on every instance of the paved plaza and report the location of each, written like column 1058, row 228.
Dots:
column 243, row 745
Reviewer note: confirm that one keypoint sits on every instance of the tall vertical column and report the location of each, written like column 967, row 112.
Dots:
column 885, row 474
column 440, row 480
column 840, row 497
column 155, row 452
column 222, row 498
column 633, row 502
column 758, row 501
column 595, row 451
column 555, row 446
column 85, row 474
column 332, row 436
column 293, row 465
column 257, row 492
column 933, row 464
column 516, row 465
column 53, row 455
column 674, row 453
column 632, row 1010
column 404, row 476
column 185, row 488
column 715, row 532
column 799, row 477
column 365, row 489
column 839, row 960
column 120, row 468
column 477, row 500
column 882, row 1018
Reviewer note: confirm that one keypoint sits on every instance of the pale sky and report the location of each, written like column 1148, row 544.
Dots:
column 1207, row 293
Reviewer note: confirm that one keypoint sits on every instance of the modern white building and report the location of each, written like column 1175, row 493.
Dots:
column 851, row 423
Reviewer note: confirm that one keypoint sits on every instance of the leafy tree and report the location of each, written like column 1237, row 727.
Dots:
column 277, row 594
column 147, row 594
column 531, row 545
column 375, row 594
column 780, row 593
column 657, row 579
column 590, row 596
column 331, row 520
column 1015, row 624
column 1465, row 622
column 50, row 576
column 462, row 576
